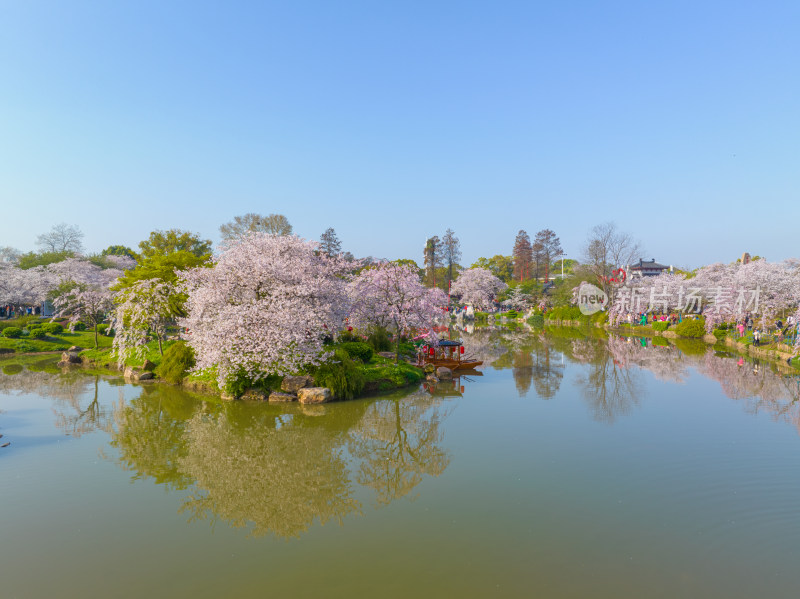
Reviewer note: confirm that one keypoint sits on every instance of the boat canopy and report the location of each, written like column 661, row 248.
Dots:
column 448, row 343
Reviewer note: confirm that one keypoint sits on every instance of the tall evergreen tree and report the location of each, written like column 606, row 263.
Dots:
column 549, row 247
column 523, row 255
column 329, row 243
column 433, row 259
column 451, row 251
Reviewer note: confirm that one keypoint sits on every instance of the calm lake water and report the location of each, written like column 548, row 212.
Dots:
column 569, row 467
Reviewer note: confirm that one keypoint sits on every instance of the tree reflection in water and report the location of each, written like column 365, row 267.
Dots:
column 611, row 388
column 397, row 444
column 75, row 394
column 149, row 432
column 276, row 469
column 266, row 478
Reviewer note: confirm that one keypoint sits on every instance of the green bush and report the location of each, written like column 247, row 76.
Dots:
column 661, row 325
column 720, row 334
column 691, row 328
column 25, row 347
column 343, row 376
column 565, row 313
column 78, row 326
column 356, row 349
column 378, row 340
column 37, row 333
column 537, row 320
column 177, row 361
column 348, row 336
column 52, row 328
column 102, row 328
column 12, row 332
column 240, row 382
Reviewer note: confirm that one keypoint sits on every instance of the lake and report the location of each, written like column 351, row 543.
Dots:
column 568, row 466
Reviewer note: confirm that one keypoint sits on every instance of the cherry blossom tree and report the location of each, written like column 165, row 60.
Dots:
column 518, row 299
column 90, row 304
column 478, row 287
column 30, row 286
column 143, row 309
column 391, row 296
column 265, row 307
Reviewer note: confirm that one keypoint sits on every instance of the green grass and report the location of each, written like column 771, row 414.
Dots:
column 388, row 376
column 54, row 342
column 106, row 354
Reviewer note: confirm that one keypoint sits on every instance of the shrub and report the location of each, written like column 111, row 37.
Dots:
column 720, row 334
column 12, row 332
column 102, row 328
column 565, row 313
column 52, row 328
column 348, row 336
column 341, row 375
column 661, row 325
column 177, row 361
column 37, row 333
column 78, row 326
column 378, row 340
column 240, row 382
column 537, row 320
column 25, row 347
column 691, row 328
column 359, row 350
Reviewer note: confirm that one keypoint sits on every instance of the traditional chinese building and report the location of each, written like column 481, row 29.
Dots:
column 647, row 268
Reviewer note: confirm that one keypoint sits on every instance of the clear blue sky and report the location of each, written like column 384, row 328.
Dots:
column 391, row 121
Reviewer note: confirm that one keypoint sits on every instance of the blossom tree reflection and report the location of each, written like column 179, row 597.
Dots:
column 397, row 443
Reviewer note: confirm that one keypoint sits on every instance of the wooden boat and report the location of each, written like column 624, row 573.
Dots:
column 448, row 355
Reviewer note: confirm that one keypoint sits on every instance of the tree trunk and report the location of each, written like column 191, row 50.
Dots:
column 160, row 348
column 95, row 335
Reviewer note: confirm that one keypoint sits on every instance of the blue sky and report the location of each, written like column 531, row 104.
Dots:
column 391, row 121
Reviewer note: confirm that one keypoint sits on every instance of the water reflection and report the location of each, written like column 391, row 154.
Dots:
column 278, row 470
column 397, row 442
column 264, row 478
column 75, row 394
column 612, row 367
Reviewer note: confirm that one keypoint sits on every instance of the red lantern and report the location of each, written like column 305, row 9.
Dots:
column 462, row 349
column 462, row 388
column 431, row 352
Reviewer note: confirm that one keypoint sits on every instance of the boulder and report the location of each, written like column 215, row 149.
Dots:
column 75, row 349
column 146, row 376
column 70, row 357
column 292, row 384
column 148, row 365
column 276, row 397
column 130, row 372
column 253, row 394
column 444, row 373
column 314, row 395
